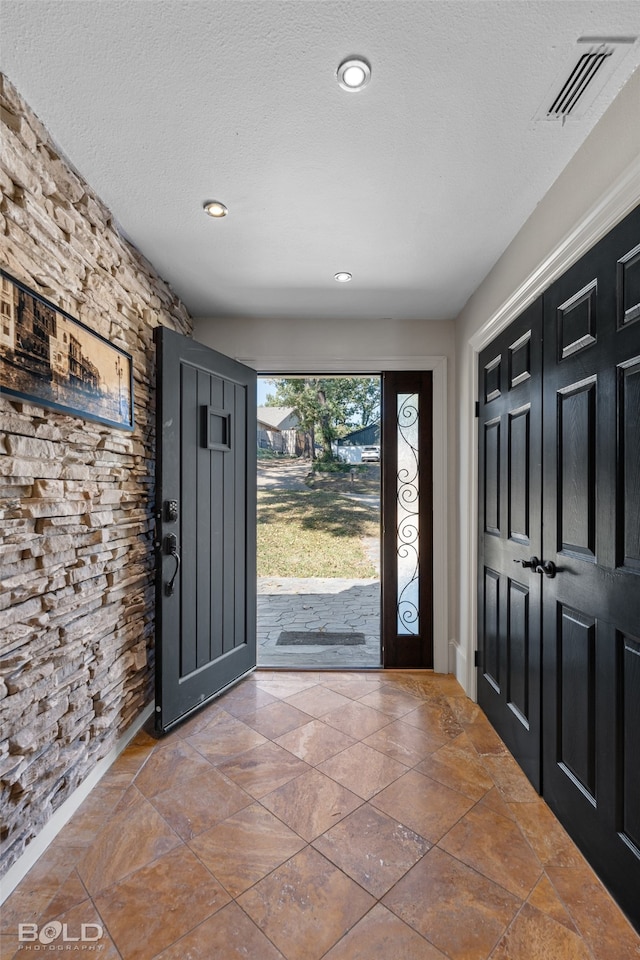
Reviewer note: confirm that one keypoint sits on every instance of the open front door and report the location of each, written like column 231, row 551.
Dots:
column 205, row 525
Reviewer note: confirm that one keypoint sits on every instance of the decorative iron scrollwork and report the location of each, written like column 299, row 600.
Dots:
column 408, row 495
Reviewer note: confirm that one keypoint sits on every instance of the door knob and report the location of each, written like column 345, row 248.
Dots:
column 532, row 563
column 547, row 567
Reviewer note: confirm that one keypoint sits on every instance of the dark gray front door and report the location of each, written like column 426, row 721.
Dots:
column 205, row 531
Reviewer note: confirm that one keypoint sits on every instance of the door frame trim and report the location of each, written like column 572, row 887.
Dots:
column 443, row 527
column 620, row 199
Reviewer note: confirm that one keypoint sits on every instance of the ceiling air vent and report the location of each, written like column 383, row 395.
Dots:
column 576, row 84
column 584, row 76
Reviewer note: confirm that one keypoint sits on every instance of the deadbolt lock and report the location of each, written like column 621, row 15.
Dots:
column 170, row 511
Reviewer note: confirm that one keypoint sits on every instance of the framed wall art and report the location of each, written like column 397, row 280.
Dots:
column 49, row 358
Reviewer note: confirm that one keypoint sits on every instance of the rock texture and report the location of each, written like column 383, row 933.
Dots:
column 76, row 497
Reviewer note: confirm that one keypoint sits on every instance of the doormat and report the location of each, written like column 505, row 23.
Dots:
column 290, row 637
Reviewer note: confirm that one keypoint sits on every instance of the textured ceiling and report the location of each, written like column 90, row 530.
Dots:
column 415, row 185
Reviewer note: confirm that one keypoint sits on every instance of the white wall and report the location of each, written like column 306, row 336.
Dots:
column 371, row 346
column 595, row 191
column 598, row 187
column 272, row 346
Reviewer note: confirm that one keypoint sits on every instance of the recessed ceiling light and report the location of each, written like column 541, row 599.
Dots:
column 216, row 209
column 342, row 277
column 354, row 74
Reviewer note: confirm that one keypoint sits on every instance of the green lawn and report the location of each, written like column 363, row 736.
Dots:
column 313, row 533
column 343, row 478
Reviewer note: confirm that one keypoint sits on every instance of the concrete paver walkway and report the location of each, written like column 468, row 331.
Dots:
column 327, row 604
column 283, row 474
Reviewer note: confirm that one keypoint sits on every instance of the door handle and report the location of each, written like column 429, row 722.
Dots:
column 547, row 567
column 171, row 550
column 532, row 563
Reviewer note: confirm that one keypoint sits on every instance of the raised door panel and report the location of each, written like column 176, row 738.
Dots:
column 576, row 749
column 518, row 656
column 492, row 477
column 492, row 633
column 492, row 375
column 629, row 802
column 628, row 287
column 576, row 478
column 519, row 474
column 629, row 460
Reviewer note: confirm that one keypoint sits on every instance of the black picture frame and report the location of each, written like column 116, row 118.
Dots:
column 49, row 358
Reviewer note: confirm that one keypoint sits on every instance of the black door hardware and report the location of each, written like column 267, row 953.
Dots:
column 171, row 550
column 547, row 567
column 532, row 562
column 170, row 511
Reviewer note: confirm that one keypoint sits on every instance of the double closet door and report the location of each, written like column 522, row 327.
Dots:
column 559, row 551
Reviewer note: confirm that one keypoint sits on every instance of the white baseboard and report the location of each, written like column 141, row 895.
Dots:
column 64, row 813
column 458, row 665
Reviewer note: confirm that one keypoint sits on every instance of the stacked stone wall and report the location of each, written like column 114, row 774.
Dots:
column 76, row 497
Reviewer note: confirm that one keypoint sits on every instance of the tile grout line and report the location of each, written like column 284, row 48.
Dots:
column 308, row 844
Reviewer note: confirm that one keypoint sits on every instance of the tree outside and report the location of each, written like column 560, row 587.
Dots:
column 328, row 407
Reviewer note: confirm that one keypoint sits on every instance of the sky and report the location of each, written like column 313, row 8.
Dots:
column 264, row 387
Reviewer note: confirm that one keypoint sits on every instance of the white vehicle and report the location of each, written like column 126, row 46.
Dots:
column 370, row 454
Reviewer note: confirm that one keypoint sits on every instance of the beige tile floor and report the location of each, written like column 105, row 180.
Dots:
column 345, row 816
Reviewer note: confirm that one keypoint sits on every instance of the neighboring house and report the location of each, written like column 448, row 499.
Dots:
column 278, row 430
column 350, row 448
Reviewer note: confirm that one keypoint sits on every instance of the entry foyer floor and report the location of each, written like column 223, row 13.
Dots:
column 343, row 816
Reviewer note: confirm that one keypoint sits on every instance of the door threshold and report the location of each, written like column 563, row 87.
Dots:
column 311, row 668
column 410, row 671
